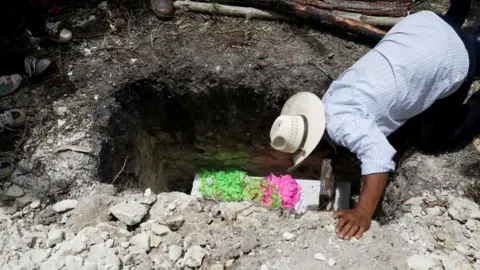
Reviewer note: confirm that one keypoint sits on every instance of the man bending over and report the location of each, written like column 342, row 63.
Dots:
column 419, row 74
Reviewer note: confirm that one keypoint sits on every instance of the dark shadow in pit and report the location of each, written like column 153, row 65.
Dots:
column 161, row 135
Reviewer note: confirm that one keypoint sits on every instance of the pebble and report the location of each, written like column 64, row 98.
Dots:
column 35, row 204
column 64, row 205
column 331, row 262
column 194, row 256
column 416, row 210
column 159, row 229
column 440, row 236
column 40, row 255
column 263, row 267
column 463, row 250
column 229, row 264
column 434, row 211
column 288, row 236
column 174, row 252
column 22, row 201
column 462, row 209
column 130, row 213
column 142, row 240
column 320, row 257
column 13, row 192
column 421, row 262
column 175, row 222
column 216, row 266
column 471, row 225
column 148, row 200
column 55, row 236
column 415, row 201
column 109, row 243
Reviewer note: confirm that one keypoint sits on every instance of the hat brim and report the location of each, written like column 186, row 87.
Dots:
column 311, row 107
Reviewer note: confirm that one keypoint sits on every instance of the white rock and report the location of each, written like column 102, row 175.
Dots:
column 229, row 264
column 148, row 192
column 56, row 263
column 415, row 201
column 22, row 201
column 263, row 267
column 148, row 200
column 463, row 250
column 73, row 262
column 112, row 262
column 434, row 211
column 194, row 256
column 159, row 229
column 55, row 236
column 35, row 204
column 462, row 209
column 142, row 240
column 130, row 213
column 288, row 236
column 64, row 205
column 109, row 243
column 13, row 192
column 471, row 225
column 40, row 255
column 477, row 256
column 320, row 257
column 416, row 210
column 174, row 252
column 175, row 222
column 421, row 262
column 331, row 262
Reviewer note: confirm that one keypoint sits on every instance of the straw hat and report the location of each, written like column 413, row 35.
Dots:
column 300, row 127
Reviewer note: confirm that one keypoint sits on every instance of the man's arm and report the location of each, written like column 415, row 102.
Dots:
column 355, row 222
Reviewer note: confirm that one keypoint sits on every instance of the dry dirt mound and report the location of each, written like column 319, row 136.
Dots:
column 176, row 231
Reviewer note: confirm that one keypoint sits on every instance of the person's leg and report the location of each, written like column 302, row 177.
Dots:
column 448, row 124
column 458, row 11
column 12, row 57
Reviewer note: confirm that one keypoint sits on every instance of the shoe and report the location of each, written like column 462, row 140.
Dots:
column 12, row 119
column 162, row 8
column 56, row 33
column 9, row 83
column 6, row 169
column 35, row 67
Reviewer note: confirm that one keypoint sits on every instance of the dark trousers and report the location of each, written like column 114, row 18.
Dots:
column 18, row 15
column 450, row 121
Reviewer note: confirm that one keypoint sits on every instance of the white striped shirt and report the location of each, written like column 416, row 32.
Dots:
column 420, row 60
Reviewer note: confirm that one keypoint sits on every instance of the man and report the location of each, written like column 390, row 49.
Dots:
column 162, row 8
column 418, row 76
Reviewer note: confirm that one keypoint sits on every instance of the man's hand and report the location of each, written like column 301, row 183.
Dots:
column 353, row 223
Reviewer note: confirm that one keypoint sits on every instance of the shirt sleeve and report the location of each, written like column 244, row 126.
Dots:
column 361, row 136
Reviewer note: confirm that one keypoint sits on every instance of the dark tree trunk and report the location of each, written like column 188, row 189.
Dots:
column 327, row 11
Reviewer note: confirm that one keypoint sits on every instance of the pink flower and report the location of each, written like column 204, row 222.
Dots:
column 288, row 188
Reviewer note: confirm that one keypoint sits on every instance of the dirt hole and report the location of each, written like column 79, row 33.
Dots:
column 160, row 135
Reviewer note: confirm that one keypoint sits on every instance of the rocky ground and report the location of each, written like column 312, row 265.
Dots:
column 56, row 214
column 176, row 231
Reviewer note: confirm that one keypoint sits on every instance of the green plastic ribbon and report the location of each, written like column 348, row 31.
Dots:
column 234, row 185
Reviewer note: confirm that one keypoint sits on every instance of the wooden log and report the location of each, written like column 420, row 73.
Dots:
column 326, row 190
column 376, row 8
column 263, row 14
column 324, row 16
